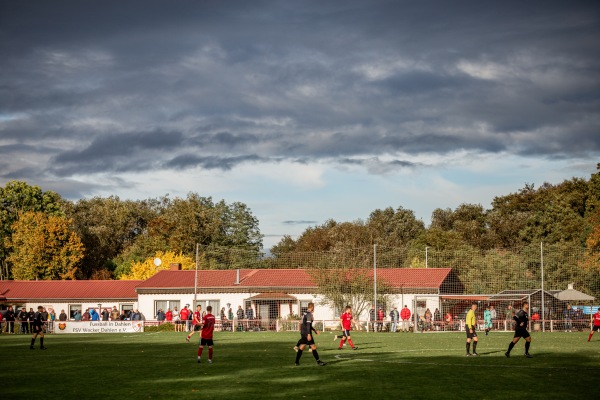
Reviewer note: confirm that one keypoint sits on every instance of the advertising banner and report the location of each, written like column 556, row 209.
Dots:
column 98, row 326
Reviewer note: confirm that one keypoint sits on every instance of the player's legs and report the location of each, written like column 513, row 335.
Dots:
column 511, row 345
column 210, row 354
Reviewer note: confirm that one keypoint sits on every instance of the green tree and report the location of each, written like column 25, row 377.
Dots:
column 44, row 247
column 19, row 197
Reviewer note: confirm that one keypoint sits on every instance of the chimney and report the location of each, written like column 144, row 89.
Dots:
column 237, row 276
column 175, row 267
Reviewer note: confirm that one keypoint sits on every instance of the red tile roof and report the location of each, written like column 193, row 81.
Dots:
column 93, row 290
column 289, row 278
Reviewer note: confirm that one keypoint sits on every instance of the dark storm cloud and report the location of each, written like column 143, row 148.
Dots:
column 144, row 85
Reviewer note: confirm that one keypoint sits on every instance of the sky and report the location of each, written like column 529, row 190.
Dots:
column 302, row 110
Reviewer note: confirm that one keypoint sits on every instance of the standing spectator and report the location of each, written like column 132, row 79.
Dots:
column 176, row 319
column 487, row 320
column 94, row 315
column 206, row 336
column 394, row 317
column 62, row 316
column 105, row 314
column 86, row 315
column 470, row 325
column 405, row 315
column 77, row 315
column 306, row 338
column 522, row 321
column 568, row 317
column 230, row 314
column 31, row 317
column 160, row 316
column 372, row 318
column 249, row 313
column 508, row 315
column 196, row 322
column 9, row 316
column 1, row 317
column 183, row 316
column 132, row 315
column 38, row 328
column 596, row 326
column 51, row 319
column 437, row 318
column 240, row 313
column 114, row 314
column 428, row 319
column 493, row 313
column 449, row 321
column 380, row 317
column 24, row 319
column 169, row 315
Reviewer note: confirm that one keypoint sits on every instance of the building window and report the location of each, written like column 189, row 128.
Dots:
column 215, row 304
column 126, row 310
column 73, row 308
column 303, row 307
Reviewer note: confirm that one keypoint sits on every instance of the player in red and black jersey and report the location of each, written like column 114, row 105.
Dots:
column 522, row 321
column 196, row 322
column 596, row 326
column 206, row 335
column 39, row 320
column 347, row 319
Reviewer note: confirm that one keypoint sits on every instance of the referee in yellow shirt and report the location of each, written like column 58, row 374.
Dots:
column 470, row 324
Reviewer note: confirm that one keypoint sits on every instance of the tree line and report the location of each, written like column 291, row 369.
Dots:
column 43, row 236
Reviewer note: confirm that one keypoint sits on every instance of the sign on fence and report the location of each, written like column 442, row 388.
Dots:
column 98, row 327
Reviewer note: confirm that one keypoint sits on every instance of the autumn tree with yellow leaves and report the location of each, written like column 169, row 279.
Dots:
column 44, row 247
column 147, row 268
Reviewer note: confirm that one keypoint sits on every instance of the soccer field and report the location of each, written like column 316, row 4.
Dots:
column 260, row 365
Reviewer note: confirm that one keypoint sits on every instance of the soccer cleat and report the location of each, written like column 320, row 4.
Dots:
column 198, row 360
column 476, row 354
column 355, row 348
column 210, row 361
column 296, row 364
column 335, row 337
column 339, row 348
column 187, row 339
column 296, row 349
column 507, row 354
column 321, row 363
column 468, row 355
column 528, row 355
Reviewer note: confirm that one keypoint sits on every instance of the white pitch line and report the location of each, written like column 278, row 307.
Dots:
column 341, row 357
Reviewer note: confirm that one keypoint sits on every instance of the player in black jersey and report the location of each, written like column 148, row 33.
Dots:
column 38, row 328
column 522, row 321
column 306, row 338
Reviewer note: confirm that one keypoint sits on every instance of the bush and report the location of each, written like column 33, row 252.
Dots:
column 166, row 327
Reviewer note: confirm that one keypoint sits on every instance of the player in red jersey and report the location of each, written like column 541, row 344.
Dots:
column 347, row 320
column 196, row 320
column 596, row 326
column 206, row 335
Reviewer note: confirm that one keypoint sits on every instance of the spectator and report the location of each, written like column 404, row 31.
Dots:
column 176, row 319
column 394, row 317
column 240, row 313
column 105, row 314
column 94, row 315
column 184, row 315
column 114, row 314
column 230, row 314
column 77, row 315
column 224, row 320
column 428, row 318
column 568, row 317
column 86, row 316
column 169, row 315
column 380, row 317
column 24, row 319
column 249, row 313
column 31, row 316
column 437, row 318
column 508, row 315
column 132, row 315
column 9, row 316
column 449, row 321
column 493, row 313
column 405, row 315
column 62, row 316
column 372, row 317
column 160, row 315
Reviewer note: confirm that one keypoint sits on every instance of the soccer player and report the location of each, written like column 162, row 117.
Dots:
column 522, row 321
column 347, row 320
column 596, row 326
column 206, row 335
column 487, row 320
column 306, row 337
column 38, row 328
column 470, row 324
column 196, row 320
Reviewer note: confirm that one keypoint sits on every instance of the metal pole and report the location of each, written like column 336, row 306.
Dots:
column 426, row 257
column 542, row 263
column 196, row 281
column 375, row 285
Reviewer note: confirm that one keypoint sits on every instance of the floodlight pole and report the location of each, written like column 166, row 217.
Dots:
column 196, row 281
column 426, row 257
column 374, row 285
column 542, row 264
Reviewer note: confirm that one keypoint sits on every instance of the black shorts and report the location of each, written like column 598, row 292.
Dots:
column 469, row 334
column 304, row 340
column 596, row 328
column 206, row 342
column 522, row 332
column 38, row 329
column 197, row 328
column 346, row 333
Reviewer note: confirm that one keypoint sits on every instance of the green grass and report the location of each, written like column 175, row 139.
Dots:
column 260, row 365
